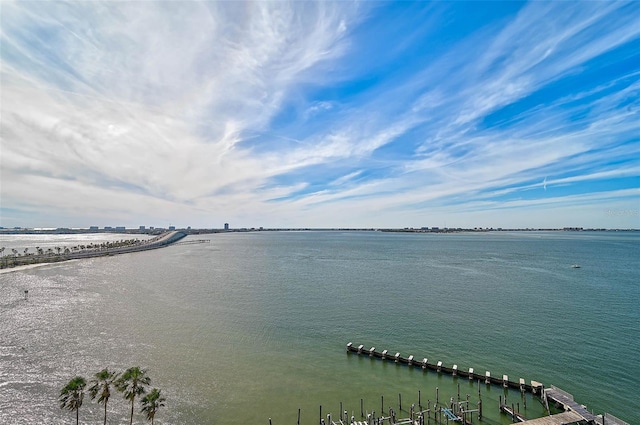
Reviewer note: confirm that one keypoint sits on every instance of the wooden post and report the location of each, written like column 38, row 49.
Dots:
column 340, row 410
column 458, row 391
column 437, row 395
column 399, row 402
column 321, row 414
column 419, row 401
column 513, row 413
column 298, row 416
column 382, row 404
column 269, row 421
column 479, row 409
column 362, row 408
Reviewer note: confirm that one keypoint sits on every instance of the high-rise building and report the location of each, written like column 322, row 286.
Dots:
column 226, row 226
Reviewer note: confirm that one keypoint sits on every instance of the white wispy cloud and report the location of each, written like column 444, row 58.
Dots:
column 211, row 110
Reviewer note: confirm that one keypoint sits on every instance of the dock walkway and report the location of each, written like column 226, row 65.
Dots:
column 559, row 396
column 559, row 419
column 565, row 399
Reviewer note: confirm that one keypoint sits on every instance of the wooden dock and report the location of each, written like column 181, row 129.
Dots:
column 509, row 410
column 563, row 418
column 574, row 411
column 533, row 387
column 565, row 399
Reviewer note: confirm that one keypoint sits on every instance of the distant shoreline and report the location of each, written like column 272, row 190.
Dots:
column 189, row 231
column 21, row 262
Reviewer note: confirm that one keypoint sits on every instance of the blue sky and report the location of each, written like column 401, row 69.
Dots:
column 320, row 114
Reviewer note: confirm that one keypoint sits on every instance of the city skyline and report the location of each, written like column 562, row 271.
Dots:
column 320, row 114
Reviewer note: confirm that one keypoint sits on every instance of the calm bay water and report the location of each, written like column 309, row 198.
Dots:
column 254, row 326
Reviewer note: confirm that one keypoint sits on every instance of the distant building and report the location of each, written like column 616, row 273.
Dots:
column 226, row 226
column 94, row 228
column 172, row 227
column 120, row 229
column 141, row 228
column 108, row 228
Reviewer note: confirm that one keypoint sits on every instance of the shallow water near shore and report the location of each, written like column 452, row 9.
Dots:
column 254, row 326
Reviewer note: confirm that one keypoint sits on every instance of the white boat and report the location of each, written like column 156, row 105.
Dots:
column 575, row 266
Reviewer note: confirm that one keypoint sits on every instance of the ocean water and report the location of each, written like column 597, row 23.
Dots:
column 253, row 326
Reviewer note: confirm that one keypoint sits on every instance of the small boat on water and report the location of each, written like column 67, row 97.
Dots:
column 575, row 266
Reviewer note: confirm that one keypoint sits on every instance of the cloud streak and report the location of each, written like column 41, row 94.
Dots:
column 311, row 114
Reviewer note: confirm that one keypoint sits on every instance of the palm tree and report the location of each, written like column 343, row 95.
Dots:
column 151, row 403
column 72, row 394
column 133, row 382
column 101, row 388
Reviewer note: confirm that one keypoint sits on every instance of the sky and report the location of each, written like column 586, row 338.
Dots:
column 320, row 114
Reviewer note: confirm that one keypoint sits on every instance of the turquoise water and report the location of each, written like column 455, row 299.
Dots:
column 254, row 326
